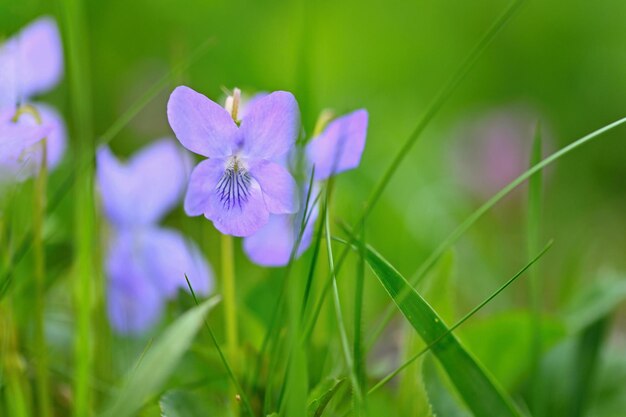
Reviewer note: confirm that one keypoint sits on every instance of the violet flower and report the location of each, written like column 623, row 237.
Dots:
column 337, row 149
column 31, row 63
column 495, row 148
column 241, row 183
column 146, row 264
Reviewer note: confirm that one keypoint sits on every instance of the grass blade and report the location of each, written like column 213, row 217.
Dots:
column 147, row 378
column 477, row 388
column 533, row 231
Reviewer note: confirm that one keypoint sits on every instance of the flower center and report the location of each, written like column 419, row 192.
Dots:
column 233, row 187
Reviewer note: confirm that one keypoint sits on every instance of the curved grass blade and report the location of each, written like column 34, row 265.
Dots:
column 477, row 388
column 147, row 378
column 321, row 396
column 357, row 390
column 461, row 321
column 476, row 215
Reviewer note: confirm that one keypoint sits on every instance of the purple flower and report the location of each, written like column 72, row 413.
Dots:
column 31, row 63
column 337, row 149
column 146, row 264
column 241, row 183
column 16, row 138
column 495, row 148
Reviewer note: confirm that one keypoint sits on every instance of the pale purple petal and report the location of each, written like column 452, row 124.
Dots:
column 246, row 105
column 273, row 243
column 271, row 126
column 31, row 62
column 134, row 303
column 144, row 190
column 20, row 148
column 242, row 218
column 9, row 94
column 202, row 183
column 202, row 126
column 340, row 146
column 56, row 141
column 168, row 258
column 278, row 186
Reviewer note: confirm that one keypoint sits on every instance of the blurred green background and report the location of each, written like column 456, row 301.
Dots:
column 565, row 60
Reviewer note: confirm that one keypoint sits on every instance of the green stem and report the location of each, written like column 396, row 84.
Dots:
column 77, row 41
column 41, row 363
column 534, row 287
column 230, row 304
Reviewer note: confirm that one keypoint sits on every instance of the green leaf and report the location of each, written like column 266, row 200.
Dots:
column 321, row 396
column 477, row 388
column 145, row 380
column 179, row 403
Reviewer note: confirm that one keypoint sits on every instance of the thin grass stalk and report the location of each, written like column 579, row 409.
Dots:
column 84, row 206
column 345, row 344
column 534, row 285
column 42, row 376
column 359, row 359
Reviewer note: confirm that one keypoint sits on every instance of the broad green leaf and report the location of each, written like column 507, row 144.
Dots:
column 160, row 360
column 321, row 396
column 477, row 388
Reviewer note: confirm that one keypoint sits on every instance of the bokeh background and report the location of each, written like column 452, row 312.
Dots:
column 559, row 63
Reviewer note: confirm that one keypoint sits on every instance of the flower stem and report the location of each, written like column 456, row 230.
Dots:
column 41, row 363
column 228, row 290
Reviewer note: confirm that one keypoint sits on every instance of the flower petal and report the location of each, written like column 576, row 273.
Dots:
column 19, row 151
column 56, row 141
column 273, row 243
column 271, row 126
column 340, row 146
column 31, row 62
column 236, row 220
column 168, row 258
column 134, row 303
column 280, row 190
column 202, row 184
column 142, row 191
column 202, row 126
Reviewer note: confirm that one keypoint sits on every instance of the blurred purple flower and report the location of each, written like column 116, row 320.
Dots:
column 241, row 183
column 495, row 149
column 31, row 63
column 146, row 264
column 337, row 149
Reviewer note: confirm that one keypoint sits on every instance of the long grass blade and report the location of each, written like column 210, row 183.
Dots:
column 460, row 322
column 534, row 236
column 477, row 388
